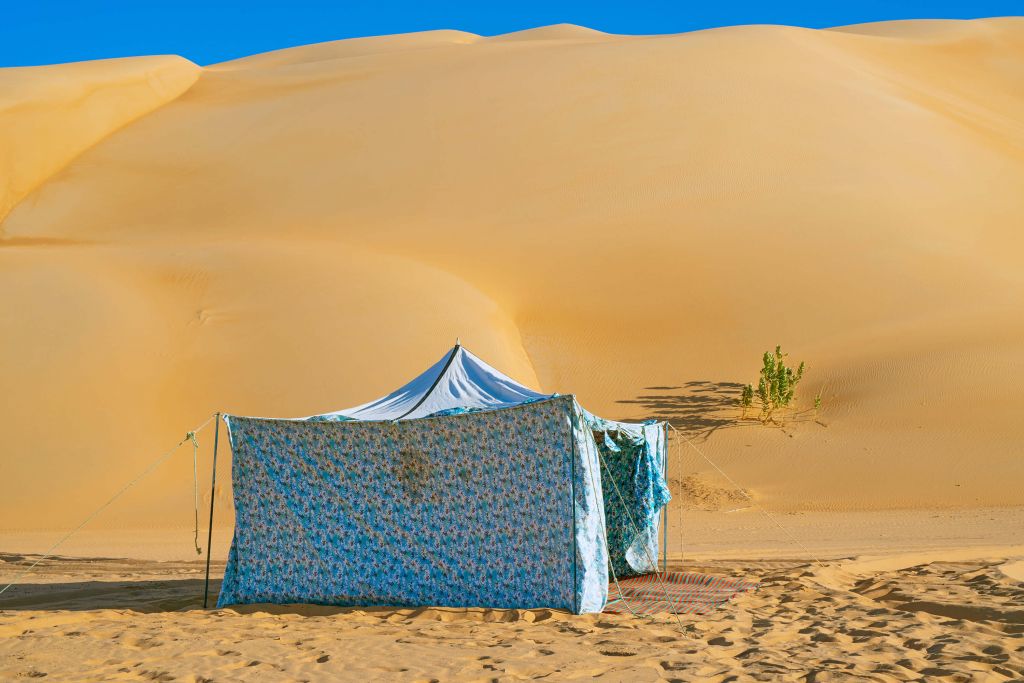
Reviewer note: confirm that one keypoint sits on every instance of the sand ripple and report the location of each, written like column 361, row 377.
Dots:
column 131, row 620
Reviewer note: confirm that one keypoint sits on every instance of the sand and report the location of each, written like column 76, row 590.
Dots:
column 898, row 595
column 49, row 115
column 908, row 606
column 633, row 219
column 630, row 219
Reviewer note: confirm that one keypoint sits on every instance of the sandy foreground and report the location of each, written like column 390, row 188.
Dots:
column 910, row 606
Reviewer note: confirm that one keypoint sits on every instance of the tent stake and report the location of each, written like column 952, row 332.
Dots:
column 213, row 491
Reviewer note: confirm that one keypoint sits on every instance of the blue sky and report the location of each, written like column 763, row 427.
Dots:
column 49, row 31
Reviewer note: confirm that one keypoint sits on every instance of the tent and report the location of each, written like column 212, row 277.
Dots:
column 461, row 488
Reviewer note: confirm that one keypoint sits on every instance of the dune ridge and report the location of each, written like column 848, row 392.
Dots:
column 51, row 114
column 352, row 47
column 633, row 219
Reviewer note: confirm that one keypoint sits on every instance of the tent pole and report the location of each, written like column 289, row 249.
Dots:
column 437, row 380
column 664, row 510
column 213, row 491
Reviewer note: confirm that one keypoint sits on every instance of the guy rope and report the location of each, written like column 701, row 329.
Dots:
column 190, row 436
column 746, row 495
column 636, row 530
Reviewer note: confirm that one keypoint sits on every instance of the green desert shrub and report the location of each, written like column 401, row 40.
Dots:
column 776, row 387
column 747, row 398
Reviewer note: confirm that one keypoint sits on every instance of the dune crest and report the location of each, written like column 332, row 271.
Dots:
column 933, row 29
column 352, row 47
column 552, row 32
column 51, row 114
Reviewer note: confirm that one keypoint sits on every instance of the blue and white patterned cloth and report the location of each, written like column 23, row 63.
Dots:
column 633, row 459
column 493, row 508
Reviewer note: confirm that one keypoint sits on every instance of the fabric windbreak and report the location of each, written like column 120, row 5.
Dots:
column 632, row 459
column 480, row 509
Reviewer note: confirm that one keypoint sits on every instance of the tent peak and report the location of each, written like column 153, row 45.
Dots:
column 437, row 380
column 458, row 380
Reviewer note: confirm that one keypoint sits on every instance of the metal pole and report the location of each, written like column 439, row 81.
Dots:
column 213, row 493
column 682, row 522
column 664, row 510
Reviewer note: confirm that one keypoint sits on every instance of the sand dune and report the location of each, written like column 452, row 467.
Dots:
column 634, row 219
column 51, row 114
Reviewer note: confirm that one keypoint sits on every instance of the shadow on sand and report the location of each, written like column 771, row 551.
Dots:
column 176, row 595
column 697, row 408
column 137, row 585
column 165, row 595
column 700, row 408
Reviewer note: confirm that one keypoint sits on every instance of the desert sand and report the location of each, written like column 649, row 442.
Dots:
column 909, row 608
column 633, row 219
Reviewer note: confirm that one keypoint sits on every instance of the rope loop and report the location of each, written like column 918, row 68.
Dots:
column 195, row 488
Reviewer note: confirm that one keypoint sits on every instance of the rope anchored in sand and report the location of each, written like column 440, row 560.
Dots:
column 190, row 436
column 746, row 495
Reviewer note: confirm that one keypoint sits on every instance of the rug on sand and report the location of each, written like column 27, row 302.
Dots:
column 675, row 592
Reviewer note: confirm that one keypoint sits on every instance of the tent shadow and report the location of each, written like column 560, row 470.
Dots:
column 178, row 595
column 169, row 595
column 432, row 613
column 697, row 408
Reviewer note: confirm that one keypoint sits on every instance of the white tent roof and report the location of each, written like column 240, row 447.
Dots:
column 458, row 380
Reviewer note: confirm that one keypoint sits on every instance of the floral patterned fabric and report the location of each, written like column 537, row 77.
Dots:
column 632, row 459
column 494, row 508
